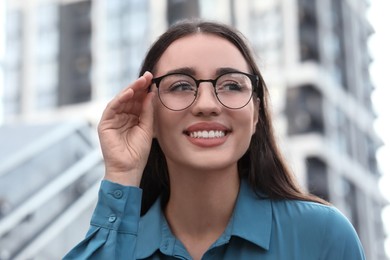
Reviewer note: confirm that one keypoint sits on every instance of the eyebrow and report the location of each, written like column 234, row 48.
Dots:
column 184, row 70
column 226, row 70
column 192, row 72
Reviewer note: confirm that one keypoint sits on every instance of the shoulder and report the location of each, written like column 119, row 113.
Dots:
column 295, row 208
column 323, row 226
column 309, row 213
column 304, row 208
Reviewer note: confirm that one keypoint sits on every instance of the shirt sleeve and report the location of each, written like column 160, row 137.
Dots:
column 340, row 241
column 114, row 224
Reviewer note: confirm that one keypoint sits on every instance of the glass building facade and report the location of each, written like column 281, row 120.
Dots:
column 62, row 55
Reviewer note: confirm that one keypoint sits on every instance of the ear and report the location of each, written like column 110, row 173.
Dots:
column 256, row 114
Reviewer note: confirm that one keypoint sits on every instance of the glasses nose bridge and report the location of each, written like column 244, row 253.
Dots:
column 214, row 85
column 212, row 81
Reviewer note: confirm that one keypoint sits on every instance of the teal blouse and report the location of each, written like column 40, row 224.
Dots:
column 259, row 228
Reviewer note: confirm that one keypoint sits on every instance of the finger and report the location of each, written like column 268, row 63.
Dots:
column 130, row 100
column 131, row 97
column 134, row 95
column 141, row 84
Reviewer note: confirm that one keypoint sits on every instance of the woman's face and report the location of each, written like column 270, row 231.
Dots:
column 181, row 133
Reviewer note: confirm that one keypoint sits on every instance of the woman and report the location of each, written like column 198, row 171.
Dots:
column 194, row 133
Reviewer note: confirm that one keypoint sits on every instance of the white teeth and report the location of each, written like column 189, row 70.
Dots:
column 207, row 134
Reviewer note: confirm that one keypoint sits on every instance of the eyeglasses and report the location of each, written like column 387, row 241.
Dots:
column 179, row 91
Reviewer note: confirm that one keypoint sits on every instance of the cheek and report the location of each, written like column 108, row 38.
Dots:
column 249, row 117
column 165, row 123
column 158, row 118
column 159, row 123
column 245, row 127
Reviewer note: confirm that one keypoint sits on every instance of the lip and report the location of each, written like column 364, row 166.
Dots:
column 207, row 126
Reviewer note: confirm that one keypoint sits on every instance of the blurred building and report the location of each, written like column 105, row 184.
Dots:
column 64, row 59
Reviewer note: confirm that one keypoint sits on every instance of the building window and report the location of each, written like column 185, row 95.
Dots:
column 75, row 53
column 46, row 56
column 125, row 44
column 340, row 71
column 304, row 110
column 344, row 130
column 317, row 177
column 182, row 9
column 267, row 42
column 13, row 66
column 351, row 202
column 308, row 30
column 372, row 148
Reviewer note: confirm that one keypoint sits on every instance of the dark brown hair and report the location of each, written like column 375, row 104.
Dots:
column 262, row 165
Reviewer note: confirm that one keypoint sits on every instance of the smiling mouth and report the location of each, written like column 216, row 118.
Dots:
column 207, row 134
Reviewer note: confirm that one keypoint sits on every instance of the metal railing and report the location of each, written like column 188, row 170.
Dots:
column 11, row 220
column 55, row 189
column 55, row 228
column 40, row 144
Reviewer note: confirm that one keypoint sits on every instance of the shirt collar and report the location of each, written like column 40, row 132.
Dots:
column 251, row 220
column 252, row 217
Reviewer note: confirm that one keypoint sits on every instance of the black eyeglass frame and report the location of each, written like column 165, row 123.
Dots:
column 253, row 78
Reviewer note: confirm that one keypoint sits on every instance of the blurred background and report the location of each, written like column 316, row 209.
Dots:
column 61, row 60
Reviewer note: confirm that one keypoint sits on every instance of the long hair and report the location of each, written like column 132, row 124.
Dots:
column 262, row 164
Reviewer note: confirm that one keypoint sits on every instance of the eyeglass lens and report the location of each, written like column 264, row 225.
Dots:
column 179, row 91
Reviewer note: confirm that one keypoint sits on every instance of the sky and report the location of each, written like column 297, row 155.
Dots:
column 2, row 8
column 379, row 45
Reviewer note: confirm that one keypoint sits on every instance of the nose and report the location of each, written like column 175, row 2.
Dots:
column 206, row 102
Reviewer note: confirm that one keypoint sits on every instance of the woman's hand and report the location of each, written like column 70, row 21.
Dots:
column 126, row 131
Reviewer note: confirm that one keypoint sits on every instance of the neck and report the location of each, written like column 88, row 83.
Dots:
column 201, row 204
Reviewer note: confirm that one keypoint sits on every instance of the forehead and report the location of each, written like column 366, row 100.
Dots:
column 205, row 53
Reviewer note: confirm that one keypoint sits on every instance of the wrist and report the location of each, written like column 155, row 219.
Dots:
column 129, row 178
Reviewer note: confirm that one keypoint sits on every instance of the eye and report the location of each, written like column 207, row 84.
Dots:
column 229, row 86
column 182, row 86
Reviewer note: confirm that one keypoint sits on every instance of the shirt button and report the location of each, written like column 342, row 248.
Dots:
column 118, row 194
column 112, row 218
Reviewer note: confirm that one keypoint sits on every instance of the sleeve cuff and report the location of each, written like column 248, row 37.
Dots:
column 118, row 207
